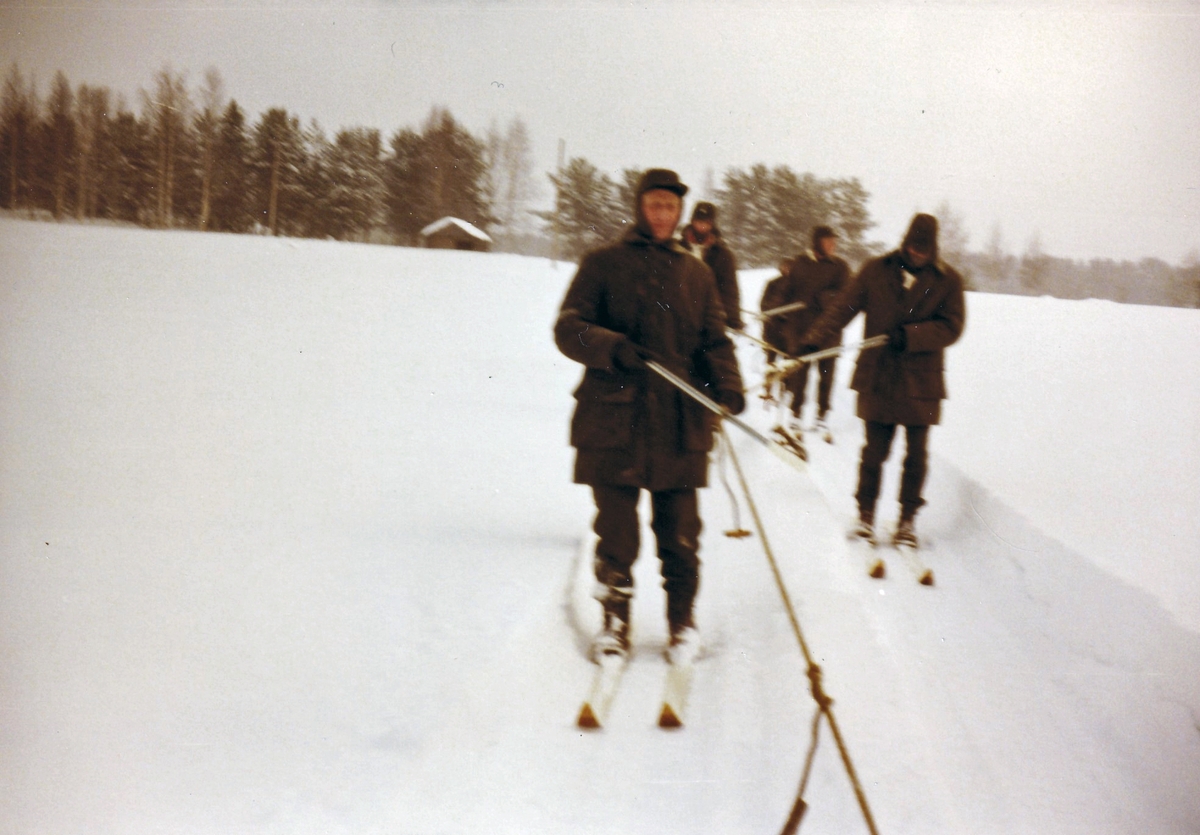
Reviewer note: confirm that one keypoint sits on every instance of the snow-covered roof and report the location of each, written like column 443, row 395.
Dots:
column 470, row 228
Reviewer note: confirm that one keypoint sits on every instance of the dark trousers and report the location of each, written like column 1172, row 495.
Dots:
column 875, row 451
column 798, row 384
column 676, row 524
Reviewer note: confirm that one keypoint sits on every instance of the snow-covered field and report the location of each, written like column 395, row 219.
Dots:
column 288, row 544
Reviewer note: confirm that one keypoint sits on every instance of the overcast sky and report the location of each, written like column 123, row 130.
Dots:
column 1074, row 122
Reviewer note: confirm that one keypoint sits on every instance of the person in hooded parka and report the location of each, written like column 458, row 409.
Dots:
column 917, row 300
column 646, row 298
column 817, row 278
column 703, row 238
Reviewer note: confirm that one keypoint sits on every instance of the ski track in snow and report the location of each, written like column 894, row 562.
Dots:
column 288, row 544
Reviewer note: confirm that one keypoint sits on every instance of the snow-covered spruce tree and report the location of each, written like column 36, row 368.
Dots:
column 587, row 210
column 58, row 145
column 230, row 209
column 18, row 130
column 768, row 213
column 353, row 200
column 277, row 158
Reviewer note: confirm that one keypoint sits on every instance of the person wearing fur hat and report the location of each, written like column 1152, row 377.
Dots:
column 703, row 238
column 646, row 298
column 817, row 278
column 915, row 298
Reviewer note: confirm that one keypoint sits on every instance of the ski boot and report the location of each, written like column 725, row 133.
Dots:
column 613, row 638
column 865, row 529
column 684, row 644
column 822, row 429
column 905, row 535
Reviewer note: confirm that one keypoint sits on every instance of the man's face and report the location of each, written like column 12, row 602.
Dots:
column 703, row 227
column 918, row 258
column 662, row 210
column 828, row 247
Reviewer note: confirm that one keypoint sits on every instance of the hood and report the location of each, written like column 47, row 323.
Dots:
column 663, row 178
column 922, row 235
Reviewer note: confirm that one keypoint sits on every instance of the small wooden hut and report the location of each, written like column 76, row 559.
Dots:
column 455, row 233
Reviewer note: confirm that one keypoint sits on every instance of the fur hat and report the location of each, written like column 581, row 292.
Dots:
column 922, row 235
column 704, row 211
column 820, row 232
column 661, row 178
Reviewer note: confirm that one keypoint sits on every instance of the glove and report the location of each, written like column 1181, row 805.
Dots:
column 897, row 338
column 628, row 356
column 805, row 350
column 734, row 401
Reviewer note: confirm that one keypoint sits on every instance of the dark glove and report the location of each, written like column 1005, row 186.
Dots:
column 628, row 356
column 734, row 401
column 897, row 338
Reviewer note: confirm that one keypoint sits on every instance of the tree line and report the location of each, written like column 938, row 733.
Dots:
column 193, row 159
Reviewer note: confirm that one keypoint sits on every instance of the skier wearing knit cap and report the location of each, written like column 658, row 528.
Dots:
column 917, row 300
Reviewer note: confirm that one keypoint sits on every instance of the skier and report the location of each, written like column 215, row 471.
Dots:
column 772, row 328
column 817, row 278
column 772, row 297
column 917, row 300
column 703, row 239
column 645, row 297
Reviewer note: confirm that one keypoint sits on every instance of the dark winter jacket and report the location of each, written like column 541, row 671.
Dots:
column 772, row 329
column 720, row 259
column 634, row 428
column 817, row 282
column 902, row 387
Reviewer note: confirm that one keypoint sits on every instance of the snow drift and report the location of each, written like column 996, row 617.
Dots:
column 288, row 544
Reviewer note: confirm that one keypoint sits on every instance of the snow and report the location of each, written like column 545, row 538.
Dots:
column 288, row 544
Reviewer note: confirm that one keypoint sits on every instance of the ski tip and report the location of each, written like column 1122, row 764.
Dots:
column 668, row 718
column 926, row 579
column 878, row 570
column 587, row 718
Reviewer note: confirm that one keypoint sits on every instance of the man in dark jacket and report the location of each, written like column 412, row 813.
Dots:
column 917, row 300
column 642, row 298
column 772, row 328
column 703, row 239
column 817, row 278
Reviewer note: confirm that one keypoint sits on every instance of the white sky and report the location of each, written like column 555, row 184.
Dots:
column 1076, row 122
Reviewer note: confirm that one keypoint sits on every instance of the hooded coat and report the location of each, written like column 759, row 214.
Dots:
column 901, row 387
column 634, row 428
column 720, row 259
column 816, row 281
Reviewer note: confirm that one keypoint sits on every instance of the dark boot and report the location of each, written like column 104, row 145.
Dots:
column 865, row 529
column 906, row 533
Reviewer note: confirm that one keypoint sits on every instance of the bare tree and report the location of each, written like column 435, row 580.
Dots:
column 517, row 185
column 167, row 111
column 208, row 128
column 952, row 234
column 1034, row 266
column 91, row 124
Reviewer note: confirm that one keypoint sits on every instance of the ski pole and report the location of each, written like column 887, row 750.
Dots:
column 710, row 404
column 788, row 366
column 767, row 346
column 775, row 311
